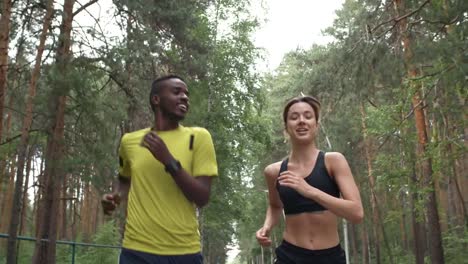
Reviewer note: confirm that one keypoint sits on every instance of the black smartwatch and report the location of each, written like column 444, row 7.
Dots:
column 173, row 166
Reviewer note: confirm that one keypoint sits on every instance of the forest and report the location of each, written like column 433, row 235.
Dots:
column 75, row 76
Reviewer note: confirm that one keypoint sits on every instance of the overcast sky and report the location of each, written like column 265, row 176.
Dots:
column 285, row 24
column 292, row 24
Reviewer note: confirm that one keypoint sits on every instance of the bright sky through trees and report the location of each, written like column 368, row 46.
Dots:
column 291, row 24
column 285, row 25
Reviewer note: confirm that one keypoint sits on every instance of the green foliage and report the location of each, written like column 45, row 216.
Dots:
column 25, row 251
column 455, row 243
column 108, row 234
column 400, row 255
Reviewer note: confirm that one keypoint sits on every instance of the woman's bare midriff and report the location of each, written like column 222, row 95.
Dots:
column 314, row 230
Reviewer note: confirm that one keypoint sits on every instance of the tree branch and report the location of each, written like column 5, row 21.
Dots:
column 445, row 23
column 372, row 103
column 398, row 19
column 83, row 7
column 448, row 68
column 8, row 140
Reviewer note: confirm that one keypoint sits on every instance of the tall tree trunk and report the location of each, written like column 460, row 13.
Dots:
column 40, row 191
column 37, row 193
column 418, row 230
column 435, row 238
column 404, row 210
column 354, row 243
column 456, row 209
column 462, row 181
column 8, row 199
column 417, row 221
column 62, row 212
column 443, row 172
column 27, row 121
column 55, row 144
column 22, row 228
column 4, row 40
column 370, row 176
column 365, row 246
column 459, row 182
column 76, row 202
column 418, row 226
column 7, row 203
column 4, row 162
column 92, row 209
column 84, row 212
column 97, row 211
column 16, row 77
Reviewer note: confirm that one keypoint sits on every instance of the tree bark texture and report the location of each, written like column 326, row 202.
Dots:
column 370, row 177
column 436, row 252
column 27, row 121
column 55, row 145
column 4, row 41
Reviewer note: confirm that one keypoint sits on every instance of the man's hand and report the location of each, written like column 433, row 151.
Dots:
column 109, row 202
column 157, row 147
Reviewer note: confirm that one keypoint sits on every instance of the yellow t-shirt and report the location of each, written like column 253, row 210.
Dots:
column 160, row 219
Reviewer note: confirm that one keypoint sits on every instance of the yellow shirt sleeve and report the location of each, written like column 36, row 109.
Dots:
column 124, row 164
column 204, row 157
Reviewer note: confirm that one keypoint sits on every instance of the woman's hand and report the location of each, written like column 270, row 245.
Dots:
column 263, row 236
column 291, row 180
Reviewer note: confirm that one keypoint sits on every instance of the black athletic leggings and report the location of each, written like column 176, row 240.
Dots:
column 128, row 256
column 288, row 253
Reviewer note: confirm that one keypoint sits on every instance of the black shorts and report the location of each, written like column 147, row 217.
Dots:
column 288, row 253
column 129, row 256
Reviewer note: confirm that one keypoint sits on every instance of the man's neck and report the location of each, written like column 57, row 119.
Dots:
column 162, row 123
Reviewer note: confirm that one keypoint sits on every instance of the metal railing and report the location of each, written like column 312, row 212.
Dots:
column 73, row 244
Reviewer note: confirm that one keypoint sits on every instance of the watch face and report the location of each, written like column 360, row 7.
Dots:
column 173, row 166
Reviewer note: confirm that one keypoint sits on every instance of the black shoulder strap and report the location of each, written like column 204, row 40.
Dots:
column 321, row 156
column 284, row 165
column 320, row 163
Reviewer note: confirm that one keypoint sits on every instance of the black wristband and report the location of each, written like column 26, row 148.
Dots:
column 173, row 166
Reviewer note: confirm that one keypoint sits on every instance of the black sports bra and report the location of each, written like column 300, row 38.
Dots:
column 295, row 203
